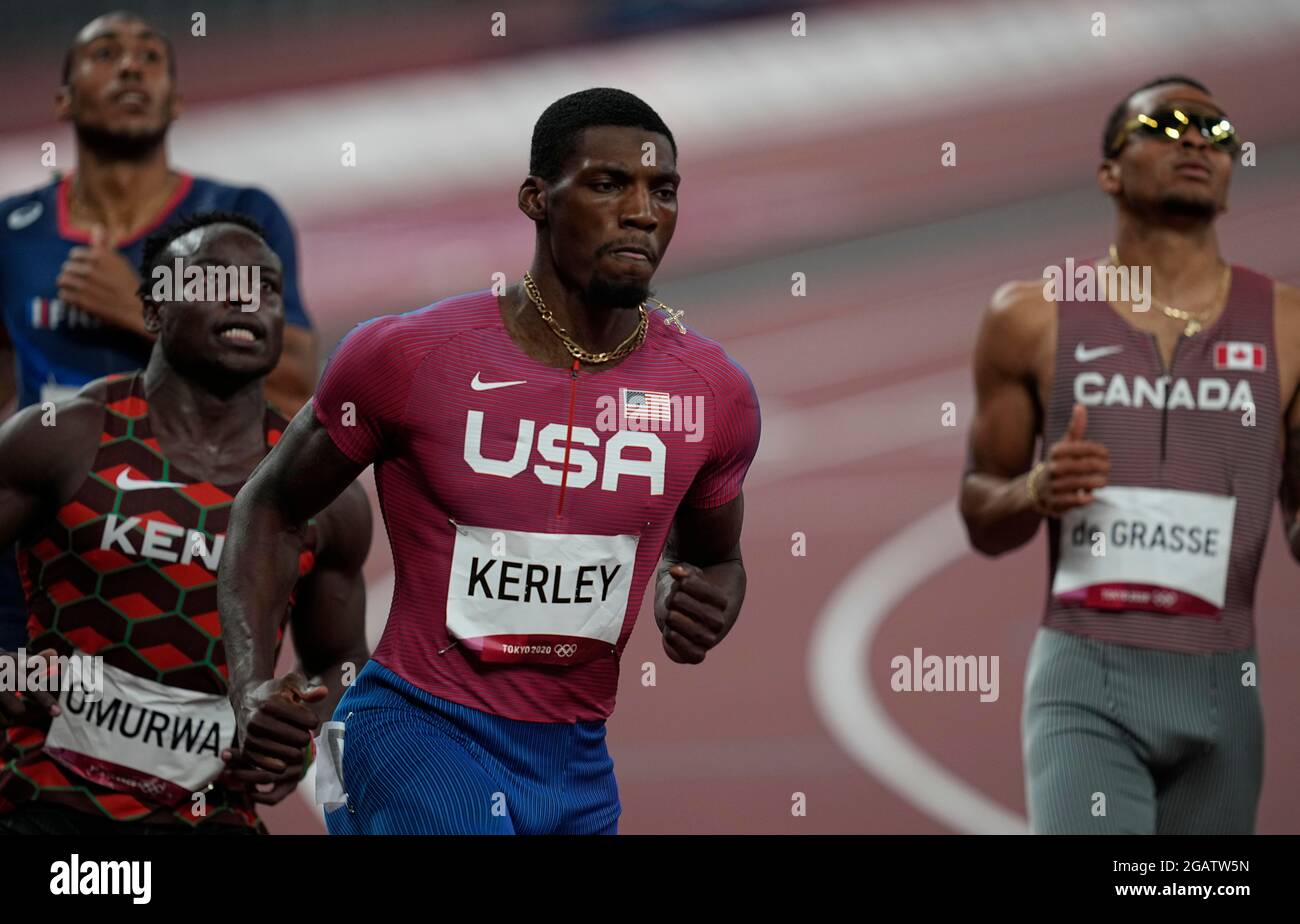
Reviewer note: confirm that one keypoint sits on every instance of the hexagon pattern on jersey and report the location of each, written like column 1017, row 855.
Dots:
column 128, row 571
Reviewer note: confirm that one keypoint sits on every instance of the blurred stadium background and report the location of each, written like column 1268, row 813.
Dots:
column 818, row 155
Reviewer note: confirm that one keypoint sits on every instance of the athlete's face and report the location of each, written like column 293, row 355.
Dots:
column 1189, row 176
column 611, row 216
column 217, row 340
column 120, row 82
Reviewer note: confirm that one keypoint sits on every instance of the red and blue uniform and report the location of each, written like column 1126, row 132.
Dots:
column 527, row 508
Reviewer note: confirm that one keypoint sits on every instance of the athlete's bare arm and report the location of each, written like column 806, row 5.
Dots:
column 299, row 478
column 329, row 637
column 1013, row 365
column 329, row 615
column 701, row 580
column 44, row 456
column 1287, row 337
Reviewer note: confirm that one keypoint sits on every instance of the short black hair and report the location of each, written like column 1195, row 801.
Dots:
column 70, row 55
column 1116, row 120
column 558, row 128
column 156, row 244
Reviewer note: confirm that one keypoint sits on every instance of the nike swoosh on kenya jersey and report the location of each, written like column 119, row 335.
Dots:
column 126, row 483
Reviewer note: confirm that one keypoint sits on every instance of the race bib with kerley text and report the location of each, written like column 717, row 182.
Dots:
column 549, row 598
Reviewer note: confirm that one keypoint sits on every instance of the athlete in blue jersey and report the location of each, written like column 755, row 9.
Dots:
column 58, row 344
column 68, row 249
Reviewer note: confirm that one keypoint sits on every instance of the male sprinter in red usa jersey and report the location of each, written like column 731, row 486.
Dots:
column 535, row 454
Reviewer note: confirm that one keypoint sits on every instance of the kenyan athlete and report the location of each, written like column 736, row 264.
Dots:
column 120, row 502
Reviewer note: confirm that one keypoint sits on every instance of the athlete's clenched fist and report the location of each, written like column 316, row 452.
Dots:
column 693, row 615
column 276, row 721
column 1074, row 468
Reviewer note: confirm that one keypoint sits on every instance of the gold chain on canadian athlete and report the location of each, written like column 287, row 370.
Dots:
column 576, row 349
column 1193, row 322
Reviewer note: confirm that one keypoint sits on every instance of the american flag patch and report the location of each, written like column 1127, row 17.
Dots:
column 1237, row 354
column 639, row 405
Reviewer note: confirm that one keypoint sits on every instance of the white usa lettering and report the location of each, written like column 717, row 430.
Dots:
column 583, row 466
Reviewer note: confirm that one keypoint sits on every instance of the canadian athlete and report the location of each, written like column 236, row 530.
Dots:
column 120, row 502
column 1168, row 422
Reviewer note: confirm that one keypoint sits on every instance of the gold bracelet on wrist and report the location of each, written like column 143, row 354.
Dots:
column 1031, row 488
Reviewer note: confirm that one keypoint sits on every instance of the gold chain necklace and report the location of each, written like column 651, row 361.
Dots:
column 575, row 349
column 1193, row 323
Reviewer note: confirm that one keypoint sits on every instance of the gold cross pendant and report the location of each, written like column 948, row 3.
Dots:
column 674, row 317
column 1192, row 328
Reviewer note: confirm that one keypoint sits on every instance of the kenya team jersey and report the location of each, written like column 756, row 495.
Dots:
column 1167, row 554
column 58, row 347
column 527, row 506
column 127, row 571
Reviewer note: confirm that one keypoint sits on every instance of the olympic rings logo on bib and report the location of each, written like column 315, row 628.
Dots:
column 1165, row 599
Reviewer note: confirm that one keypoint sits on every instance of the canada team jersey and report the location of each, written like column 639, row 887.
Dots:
column 127, row 571
column 1167, row 554
column 527, row 506
column 58, row 347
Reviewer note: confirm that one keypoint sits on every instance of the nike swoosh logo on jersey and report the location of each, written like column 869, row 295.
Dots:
column 24, row 215
column 1084, row 355
column 126, row 483
column 485, row 386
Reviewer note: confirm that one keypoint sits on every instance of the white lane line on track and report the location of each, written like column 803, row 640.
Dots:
column 847, row 703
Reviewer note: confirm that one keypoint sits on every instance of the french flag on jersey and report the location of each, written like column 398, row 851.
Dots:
column 1238, row 354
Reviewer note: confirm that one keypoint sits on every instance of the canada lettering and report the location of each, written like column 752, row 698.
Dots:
column 1093, row 389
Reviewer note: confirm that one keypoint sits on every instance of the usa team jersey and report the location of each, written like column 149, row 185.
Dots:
column 527, row 506
column 58, row 347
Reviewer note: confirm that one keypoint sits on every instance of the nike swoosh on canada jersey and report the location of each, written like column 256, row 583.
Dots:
column 1200, row 427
